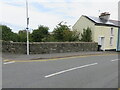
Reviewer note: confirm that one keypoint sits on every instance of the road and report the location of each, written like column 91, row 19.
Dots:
column 95, row 71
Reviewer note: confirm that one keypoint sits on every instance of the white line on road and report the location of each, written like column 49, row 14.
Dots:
column 69, row 70
column 9, row 62
column 114, row 60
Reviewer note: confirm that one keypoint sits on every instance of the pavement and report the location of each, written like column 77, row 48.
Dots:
column 99, row 70
column 9, row 56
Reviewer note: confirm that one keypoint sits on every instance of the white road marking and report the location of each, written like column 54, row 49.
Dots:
column 114, row 60
column 9, row 62
column 57, row 73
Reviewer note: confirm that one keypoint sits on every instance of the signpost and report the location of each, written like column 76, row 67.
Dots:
column 27, row 27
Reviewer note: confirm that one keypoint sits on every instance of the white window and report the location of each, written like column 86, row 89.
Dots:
column 111, row 32
column 111, row 41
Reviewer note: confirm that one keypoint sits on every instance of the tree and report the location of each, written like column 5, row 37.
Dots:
column 49, row 38
column 87, row 35
column 75, row 35
column 60, row 30
column 39, row 34
column 22, row 35
column 67, row 35
column 63, row 33
column 14, row 37
column 7, row 34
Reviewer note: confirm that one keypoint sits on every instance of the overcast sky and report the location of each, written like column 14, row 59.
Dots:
column 51, row 12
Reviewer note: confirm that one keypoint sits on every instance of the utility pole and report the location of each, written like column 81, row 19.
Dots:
column 27, row 27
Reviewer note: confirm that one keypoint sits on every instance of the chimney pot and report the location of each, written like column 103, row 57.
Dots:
column 104, row 16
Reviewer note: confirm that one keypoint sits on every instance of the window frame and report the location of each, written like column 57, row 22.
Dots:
column 111, row 32
column 111, row 40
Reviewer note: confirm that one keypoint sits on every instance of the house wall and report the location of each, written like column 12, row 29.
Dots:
column 98, row 31
column 82, row 23
column 105, row 31
column 118, row 43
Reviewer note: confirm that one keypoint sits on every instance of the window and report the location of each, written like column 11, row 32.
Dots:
column 111, row 32
column 111, row 41
column 111, row 36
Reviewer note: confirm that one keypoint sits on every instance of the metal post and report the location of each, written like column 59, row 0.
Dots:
column 27, row 28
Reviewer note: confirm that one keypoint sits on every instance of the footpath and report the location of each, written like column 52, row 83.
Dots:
column 9, row 56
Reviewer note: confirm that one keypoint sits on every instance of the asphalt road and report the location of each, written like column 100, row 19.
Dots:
column 73, row 72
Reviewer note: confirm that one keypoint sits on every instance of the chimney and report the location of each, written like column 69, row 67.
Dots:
column 104, row 16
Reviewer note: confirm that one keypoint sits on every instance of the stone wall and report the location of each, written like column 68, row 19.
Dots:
column 48, row 47
column 14, row 47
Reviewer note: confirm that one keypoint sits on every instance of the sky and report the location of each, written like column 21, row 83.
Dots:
column 51, row 12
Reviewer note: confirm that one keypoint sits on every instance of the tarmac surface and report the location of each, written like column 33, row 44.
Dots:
column 63, row 70
column 10, row 56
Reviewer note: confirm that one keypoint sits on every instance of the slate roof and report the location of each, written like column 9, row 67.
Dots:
column 98, row 21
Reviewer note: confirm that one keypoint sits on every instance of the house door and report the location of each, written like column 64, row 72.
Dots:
column 101, row 42
column 118, row 43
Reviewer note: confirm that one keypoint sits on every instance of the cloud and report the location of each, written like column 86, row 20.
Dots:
column 13, row 14
column 17, row 16
column 51, row 12
column 64, row 1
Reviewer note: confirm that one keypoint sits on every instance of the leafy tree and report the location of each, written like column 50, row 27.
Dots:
column 87, row 35
column 49, row 38
column 75, row 35
column 7, row 34
column 22, row 35
column 63, row 33
column 59, row 32
column 0, row 33
column 67, row 35
column 14, row 37
column 39, row 34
